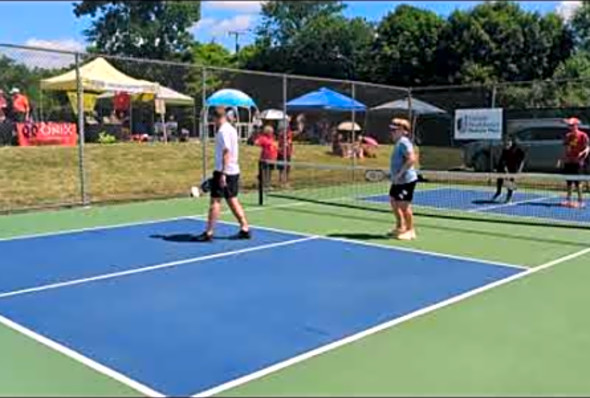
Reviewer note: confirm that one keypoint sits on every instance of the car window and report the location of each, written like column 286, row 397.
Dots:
column 549, row 134
column 542, row 134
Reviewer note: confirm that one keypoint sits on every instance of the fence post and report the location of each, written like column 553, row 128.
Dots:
column 204, row 119
column 410, row 117
column 493, row 105
column 283, row 172
column 353, row 94
column 81, row 139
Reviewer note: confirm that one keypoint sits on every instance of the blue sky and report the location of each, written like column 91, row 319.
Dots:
column 53, row 24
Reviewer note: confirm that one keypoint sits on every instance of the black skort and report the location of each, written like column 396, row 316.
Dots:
column 231, row 189
column 403, row 192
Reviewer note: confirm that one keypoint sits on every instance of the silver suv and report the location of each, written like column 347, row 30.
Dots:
column 541, row 139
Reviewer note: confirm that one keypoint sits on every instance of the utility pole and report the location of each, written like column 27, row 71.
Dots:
column 236, row 35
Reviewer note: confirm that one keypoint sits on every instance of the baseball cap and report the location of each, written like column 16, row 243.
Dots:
column 399, row 122
column 572, row 121
column 14, row 90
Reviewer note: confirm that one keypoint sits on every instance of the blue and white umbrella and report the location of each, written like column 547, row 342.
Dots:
column 231, row 98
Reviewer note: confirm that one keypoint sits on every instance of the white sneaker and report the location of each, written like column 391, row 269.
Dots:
column 408, row 235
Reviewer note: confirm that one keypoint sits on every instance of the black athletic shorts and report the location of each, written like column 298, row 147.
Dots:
column 572, row 169
column 232, row 183
column 403, row 192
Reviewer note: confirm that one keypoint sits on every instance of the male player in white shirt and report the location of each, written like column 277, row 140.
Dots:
column 226, row 178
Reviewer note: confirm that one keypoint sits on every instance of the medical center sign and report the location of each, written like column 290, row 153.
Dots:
column 478, row 124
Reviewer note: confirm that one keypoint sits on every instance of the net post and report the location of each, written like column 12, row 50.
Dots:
column 80, row 106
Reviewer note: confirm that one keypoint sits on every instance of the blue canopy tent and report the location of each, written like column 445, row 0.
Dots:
column 235, row 99
column 326, row 99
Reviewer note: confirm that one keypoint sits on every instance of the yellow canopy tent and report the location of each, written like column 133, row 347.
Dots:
column 99, row 75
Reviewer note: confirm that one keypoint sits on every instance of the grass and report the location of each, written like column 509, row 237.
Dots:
column 49, row 175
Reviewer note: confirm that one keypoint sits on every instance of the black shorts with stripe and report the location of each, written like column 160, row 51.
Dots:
column 403, row 192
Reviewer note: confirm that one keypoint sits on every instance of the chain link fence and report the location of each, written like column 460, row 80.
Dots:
column 135, row 129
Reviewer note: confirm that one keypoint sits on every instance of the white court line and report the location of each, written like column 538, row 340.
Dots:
column 137, row 223
column 153, row 267
column 113, row 374
column 518, row 202
column 382, row 246
column 387, row 325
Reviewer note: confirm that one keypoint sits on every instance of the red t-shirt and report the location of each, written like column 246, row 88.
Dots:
column 575, row 143
column 269, row 147
column 121, row 101
column 289, row 143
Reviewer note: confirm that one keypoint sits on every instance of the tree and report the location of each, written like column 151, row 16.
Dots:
column 580, row 24
column 209, row 54
column 26, row 78
column 143, row 29
column 283, row 20
column 517, row 45
column 405, row 50
column 576, row 91
column 569, row 87
column 281, row 24
column 332, row 46
column 310, row 38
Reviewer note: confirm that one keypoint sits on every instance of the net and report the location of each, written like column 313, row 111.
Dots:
column 538, row 199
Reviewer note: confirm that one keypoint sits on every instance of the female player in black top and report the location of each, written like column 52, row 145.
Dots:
column 511, row 162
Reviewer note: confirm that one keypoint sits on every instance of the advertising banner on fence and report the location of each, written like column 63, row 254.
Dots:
column 478, row 124
column 31, row 134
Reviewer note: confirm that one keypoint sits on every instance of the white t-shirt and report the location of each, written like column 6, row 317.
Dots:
column 227, row 138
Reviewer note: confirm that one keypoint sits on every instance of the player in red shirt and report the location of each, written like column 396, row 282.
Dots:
column 268, row 154
column 576, row 151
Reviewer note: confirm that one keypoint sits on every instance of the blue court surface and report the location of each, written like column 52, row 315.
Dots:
column 220, row 310
column 524, row 204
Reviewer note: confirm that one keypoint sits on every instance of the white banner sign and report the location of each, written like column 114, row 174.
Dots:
column 478, row 124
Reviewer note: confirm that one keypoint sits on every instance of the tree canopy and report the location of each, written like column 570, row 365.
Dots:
column 145, row 29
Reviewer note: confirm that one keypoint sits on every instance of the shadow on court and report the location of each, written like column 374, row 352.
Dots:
column 187, row 238
column 359, row 236
column 543, row 204
column 486, row 202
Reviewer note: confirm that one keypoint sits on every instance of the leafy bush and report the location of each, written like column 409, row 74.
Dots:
column 105, row 138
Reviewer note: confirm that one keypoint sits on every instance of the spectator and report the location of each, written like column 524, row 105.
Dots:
column 285, row 153
column 338, row 145
column 269, row 153
column 20, row 106
column 359, row 148
column 3, row 106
